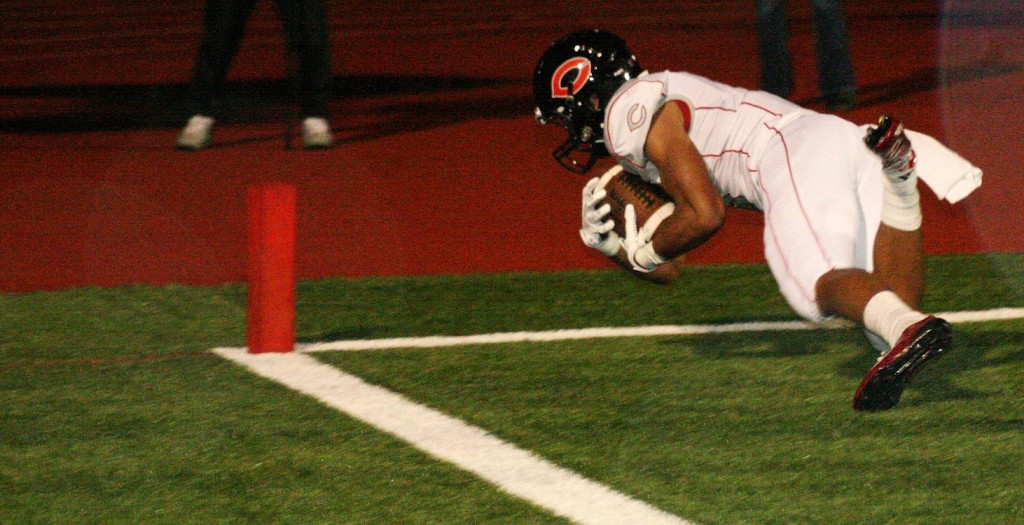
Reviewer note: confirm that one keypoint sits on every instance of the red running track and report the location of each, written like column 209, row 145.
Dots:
column 440, row 168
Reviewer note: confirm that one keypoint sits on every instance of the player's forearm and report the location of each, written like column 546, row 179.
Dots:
column 685, row 230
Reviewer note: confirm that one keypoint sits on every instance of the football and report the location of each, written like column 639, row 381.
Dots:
column 651, row 201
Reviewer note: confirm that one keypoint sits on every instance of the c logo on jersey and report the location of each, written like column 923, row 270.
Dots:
column 636, row 117
column 563, row 85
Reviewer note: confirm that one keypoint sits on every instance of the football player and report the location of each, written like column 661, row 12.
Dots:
column 842, row 218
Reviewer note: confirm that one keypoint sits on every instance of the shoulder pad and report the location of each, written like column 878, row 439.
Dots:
column 628, row 118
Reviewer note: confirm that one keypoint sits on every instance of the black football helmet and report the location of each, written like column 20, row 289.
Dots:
column 573, row 82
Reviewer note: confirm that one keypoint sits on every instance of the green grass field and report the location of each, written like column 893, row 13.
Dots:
column 115, row 410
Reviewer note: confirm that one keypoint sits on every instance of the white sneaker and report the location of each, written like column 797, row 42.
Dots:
column 196, row 134
column 316, row 133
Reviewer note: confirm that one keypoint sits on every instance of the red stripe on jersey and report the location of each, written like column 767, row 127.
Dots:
column 808, row 294
column 715, row 108
column 762, row 108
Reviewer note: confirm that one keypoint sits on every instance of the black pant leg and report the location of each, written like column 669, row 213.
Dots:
column 305, row 26
column 223, row 28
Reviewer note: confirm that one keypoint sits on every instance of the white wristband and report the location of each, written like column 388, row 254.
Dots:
column 645, row 259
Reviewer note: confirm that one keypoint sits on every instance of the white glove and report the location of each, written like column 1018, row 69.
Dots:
column 596, row 230
column 638, row 245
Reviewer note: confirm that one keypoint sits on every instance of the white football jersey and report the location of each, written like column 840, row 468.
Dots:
column 730, row 127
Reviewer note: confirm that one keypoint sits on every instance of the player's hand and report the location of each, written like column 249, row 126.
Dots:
column 596, row 230
column 638, row 245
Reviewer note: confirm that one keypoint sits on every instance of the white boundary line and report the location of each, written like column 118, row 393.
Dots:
column 514, row 470
column 998, row 314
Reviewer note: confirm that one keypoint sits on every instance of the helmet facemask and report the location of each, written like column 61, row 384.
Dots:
column 584, row 146
column 579, row 157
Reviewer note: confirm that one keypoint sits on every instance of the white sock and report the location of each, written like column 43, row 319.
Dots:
column 877, row 342
column 901, row 203
column 888, row 316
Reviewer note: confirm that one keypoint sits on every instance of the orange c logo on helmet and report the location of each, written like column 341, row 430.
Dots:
column 559, row 89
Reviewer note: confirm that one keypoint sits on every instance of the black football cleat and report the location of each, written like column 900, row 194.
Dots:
column 883, row 385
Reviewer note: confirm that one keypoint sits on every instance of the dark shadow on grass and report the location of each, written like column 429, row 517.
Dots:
column 993, row 424
column 348, row 334
column 936, row 382
column 767, row 345
column 970, row 351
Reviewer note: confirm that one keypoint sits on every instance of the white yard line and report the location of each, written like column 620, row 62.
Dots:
column 516, row 471
column 633, row 331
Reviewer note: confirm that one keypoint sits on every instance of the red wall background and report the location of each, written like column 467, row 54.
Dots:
column 439, row 166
